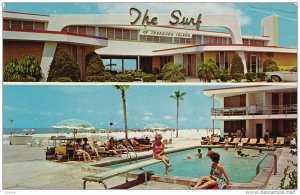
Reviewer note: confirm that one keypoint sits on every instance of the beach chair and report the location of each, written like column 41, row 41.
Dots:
column 244, row 140
column 261, row 142
column 279, row 141
column 215, row 140
column 61, row 153
column 252, row 142
column 235, row 141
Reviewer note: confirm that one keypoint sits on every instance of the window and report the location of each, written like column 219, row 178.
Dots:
column 110, row 33
column 222, row 60
column 232, row 126
column 73, row 29
column 91, row 31
column 102, row 32
column 118, row 33
column 27, row 25
column 16, row 25
column 143, row 37
column 65, row 29
column 133, row 35
column 150, row 38
column 39, row 26
column 126, row 34
column 235, row 101
column 6, row 24
column 82, row 30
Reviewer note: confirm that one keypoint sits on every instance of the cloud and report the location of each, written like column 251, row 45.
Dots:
column 167, row 117
column 147, row 118
column 167, row 8
column 156, row 125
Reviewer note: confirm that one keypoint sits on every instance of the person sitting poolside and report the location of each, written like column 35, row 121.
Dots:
column 215, row 178
column 136, row 143
column 79, row 151
column 158, row 152
column 199, row 154
column 90, row 149
column 209, row 151
column 112, row 147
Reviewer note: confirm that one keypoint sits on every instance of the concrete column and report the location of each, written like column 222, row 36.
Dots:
column 243, row 57
column 48, row 54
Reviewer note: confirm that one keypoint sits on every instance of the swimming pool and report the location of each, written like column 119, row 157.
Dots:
column 239, row 169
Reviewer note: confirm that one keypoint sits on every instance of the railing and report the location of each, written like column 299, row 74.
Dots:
column 255, row 110
column 275, row 163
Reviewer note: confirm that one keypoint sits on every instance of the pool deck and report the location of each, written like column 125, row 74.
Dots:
column 25, row 168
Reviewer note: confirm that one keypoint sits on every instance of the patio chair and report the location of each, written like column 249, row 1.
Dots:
column 61, row 153
column 235, row 141
column 261, row 142
column 244, row 140
column 279, row 141
column 252, row 142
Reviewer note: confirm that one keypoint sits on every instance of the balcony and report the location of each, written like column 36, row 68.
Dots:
column 255, row 110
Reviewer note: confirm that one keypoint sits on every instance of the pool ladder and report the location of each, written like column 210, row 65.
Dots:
column 275, row 163
column 130, row 159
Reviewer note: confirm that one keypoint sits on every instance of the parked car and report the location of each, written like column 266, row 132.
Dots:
column 278, row 76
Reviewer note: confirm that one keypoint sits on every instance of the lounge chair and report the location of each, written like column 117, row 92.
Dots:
column 252, row 142
column 223, row 142
column 261, row 142
column 215, row 140
column 129, row 146
column 244, row 140
column 204, row 141
column 279, row 141
column 235, row 141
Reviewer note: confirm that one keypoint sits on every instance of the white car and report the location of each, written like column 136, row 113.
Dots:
column 278, row 76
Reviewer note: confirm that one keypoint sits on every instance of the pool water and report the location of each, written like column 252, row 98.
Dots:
column 239, row 169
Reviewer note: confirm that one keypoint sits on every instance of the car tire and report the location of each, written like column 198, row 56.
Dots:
column 275, row 78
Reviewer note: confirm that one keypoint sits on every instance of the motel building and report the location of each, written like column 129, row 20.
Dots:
column 128, row 42
column 255, row 109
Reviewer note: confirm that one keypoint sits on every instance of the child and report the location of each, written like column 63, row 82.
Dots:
column 215, row 178
column 199, row 154
column 158, row 152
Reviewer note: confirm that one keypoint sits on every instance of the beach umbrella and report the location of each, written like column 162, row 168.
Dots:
column 73, row 124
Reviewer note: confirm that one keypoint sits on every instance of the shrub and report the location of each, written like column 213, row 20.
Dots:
column 236, row 65
column 173, row 72
column 149, row 78
column 238, row 77
column 123, row 77
column 224, row 75
column 138, row 75
column 250, row 76
column 208, row 71
column 62, row 79
column 63, row 65
column 261, row 76
column 27, row 69
column 94, row 65
column 155, row 71
column 270, row 66
column 95, row 78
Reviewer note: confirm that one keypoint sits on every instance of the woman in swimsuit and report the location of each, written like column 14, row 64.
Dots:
column 158, row 152
column 215, row 178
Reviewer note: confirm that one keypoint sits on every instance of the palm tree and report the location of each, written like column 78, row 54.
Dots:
column 208, row 70
column 178, row 96
column 123, row 88
column 173, row 72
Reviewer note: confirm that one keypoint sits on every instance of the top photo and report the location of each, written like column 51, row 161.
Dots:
column 150, row 42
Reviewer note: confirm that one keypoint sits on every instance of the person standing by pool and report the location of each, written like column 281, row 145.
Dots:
column 209, row 151
column 215, row 178
column 158, row 152
column 226, row 142
column 267, row 138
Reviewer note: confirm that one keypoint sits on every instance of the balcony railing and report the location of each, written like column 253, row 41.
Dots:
column 255, row 110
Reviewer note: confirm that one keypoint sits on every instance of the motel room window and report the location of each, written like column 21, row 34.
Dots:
column 39, row 26
column 6, row 24
column 143, row 37
column 102, row 32
column 133, row 35
column 230, row 127
column 194, row 39
column 126, row 34
column 65, row 29
column 150, row 38
column 235, row 101
column 176, row 40
column 156, row 38
column 289, row 98
column 73, row 29
column 118, row 33
column 90, row 30
column 201, row 57
column 27, row 25
column 82, row 30
column 16, row 25
column 110, row 33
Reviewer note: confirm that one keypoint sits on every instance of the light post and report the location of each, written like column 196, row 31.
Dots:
column 110, row 125
column 11, row 122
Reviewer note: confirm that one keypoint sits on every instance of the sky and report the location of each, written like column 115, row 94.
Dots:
column 38, row 106
column 250, row 13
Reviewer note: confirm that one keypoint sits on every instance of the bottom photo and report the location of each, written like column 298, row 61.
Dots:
column 143, row 137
